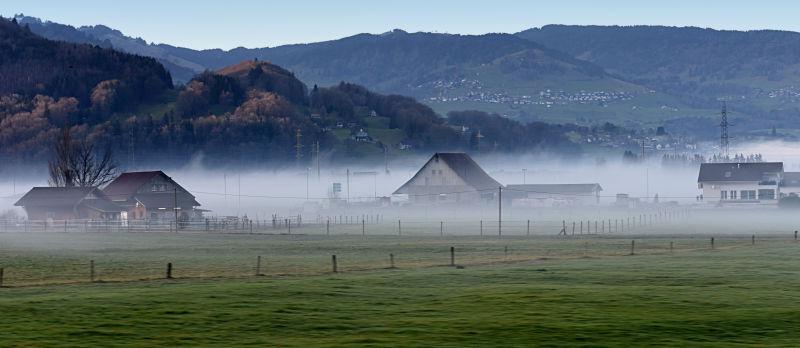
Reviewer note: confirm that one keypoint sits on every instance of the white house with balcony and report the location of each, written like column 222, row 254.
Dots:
column 735, row 183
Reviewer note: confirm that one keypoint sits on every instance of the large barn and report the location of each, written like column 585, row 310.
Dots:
column 152, row 196
column 450, row 178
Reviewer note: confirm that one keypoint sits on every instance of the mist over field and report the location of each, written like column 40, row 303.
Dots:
column 260, row 193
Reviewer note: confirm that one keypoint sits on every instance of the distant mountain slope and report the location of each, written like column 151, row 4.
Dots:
column 684, row 61
column 181, row 69
column 633, row 76
column 493, row 72
column 30, row 64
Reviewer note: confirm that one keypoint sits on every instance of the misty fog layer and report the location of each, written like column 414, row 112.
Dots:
column 261, row 193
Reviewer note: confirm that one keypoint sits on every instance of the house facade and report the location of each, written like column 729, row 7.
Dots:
column 450, row 178
column 554, row 195
column 68, row 203
column 733, row 183
column 152, row 196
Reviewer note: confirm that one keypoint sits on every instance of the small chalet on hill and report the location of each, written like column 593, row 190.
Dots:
column 741, row 182
column 450, row 178
column 68, row 203
column 151, row 195
column 553, row 195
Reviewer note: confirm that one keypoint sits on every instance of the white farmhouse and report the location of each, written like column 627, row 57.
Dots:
column 728, row 183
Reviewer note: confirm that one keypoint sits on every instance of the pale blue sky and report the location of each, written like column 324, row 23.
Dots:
column 252, row 23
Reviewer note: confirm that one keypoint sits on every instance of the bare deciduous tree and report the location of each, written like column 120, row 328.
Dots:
column 77, row 163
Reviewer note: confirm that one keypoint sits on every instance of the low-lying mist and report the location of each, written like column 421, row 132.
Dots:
column 261, row 193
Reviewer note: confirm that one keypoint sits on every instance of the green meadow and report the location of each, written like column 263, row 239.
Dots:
column 515, row 291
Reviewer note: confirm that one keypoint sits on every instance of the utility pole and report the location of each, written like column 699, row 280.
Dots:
column 131, row 150
column 479, row 137
column 225, row 188
column 386, row 159
column 316, row 147
column 175, row 208
column 298, row 146
column 724, row 139
column 500, row 211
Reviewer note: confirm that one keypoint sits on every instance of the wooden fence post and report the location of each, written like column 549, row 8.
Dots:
column 258, row 266
column 481, row 228
column 671, row 247
column 573, row 228
column 441, row 228
column 712, row 242
column 399, row 228
column 505, row 252
column 91, row 271
column 633, row 247
column 528, row 229
column 333, row 263
column 753, row 241
column 391, row 260
column 452, row 256
column 169, row 270
column 581, row 226
column 795, row 236
column 363, row 227
column 2, row 273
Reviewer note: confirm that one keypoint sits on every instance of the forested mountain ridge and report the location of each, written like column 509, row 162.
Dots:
column 33, row 65
column 250, row 113
column 640, row 76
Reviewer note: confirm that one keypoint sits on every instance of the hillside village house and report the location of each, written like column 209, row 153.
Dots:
column 741, row 182
column 553, row 195
column 68, row 203
column 450, row 178
column 151, row 196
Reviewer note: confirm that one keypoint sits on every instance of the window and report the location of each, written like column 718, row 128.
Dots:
column 723, row 195
column 733, row 194
column 748, row 194
column 766, row 194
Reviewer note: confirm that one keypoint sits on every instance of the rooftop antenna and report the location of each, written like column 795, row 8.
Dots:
column 724, row 139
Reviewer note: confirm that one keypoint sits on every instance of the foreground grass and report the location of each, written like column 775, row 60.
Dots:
column 730, row 297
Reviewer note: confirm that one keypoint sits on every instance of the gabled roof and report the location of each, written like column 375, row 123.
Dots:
column 124, row 187
column 464, row 166
column 54, row 196
column 91, row 197
column 713, row 172
column 126, row 184
column 557, row 189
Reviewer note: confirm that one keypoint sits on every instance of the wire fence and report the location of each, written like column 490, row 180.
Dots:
column 36, row 253
column 372, row 224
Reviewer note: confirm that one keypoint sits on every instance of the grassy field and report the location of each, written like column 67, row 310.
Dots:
column 734, row 295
